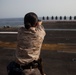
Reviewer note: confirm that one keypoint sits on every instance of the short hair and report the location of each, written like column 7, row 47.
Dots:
column 30, row 19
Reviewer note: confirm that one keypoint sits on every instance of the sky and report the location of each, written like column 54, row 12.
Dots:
column 18, row 8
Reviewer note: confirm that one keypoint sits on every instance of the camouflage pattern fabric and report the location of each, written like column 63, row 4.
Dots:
column 29, row 44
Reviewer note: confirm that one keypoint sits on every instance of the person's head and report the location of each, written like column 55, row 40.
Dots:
column 30, row 20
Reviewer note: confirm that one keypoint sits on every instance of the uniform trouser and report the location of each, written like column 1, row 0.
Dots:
column 34, row 71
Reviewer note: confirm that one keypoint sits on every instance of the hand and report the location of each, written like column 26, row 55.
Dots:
column 40, row 23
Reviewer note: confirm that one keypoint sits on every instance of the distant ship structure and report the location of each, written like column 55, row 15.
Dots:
column 58, row 18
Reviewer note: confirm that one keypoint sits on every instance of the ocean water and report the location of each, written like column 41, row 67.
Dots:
column 12, row 22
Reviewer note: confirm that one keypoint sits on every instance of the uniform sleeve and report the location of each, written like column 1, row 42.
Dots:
column 41, row 27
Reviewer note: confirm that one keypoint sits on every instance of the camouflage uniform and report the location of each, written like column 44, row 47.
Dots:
column 29, row 46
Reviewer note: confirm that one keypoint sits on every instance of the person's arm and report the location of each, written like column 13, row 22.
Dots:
column 40, row 26
column 39, row 22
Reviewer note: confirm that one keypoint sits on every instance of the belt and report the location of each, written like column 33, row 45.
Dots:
column 30, row 65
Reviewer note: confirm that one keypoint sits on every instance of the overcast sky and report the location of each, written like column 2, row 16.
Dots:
column 18, row 8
